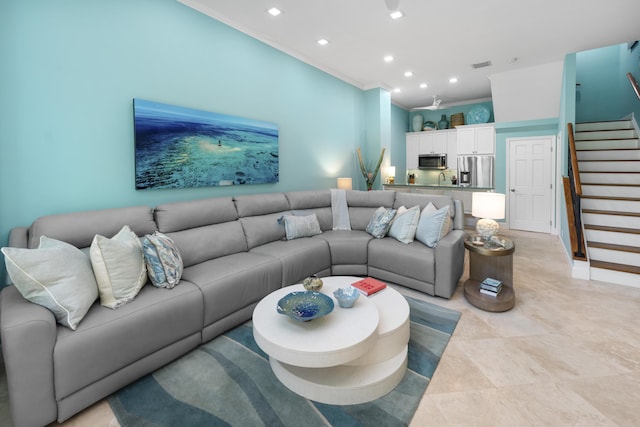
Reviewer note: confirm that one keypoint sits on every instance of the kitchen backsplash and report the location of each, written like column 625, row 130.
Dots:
column 430, row 177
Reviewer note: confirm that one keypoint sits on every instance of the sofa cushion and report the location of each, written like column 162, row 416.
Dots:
column 380, row 222
column 179, row 216
column 119, row 268
column 163, row 259
column 299, row 258
column 297, row 226
column 79, row 228
column 109, row 340
column 262, row 229
column 208, row 242
column 314, row 201
column 404, row 225
column 413, row 260
column 232, row 282
column 347, row 247
column 57, row 276
column 261, row 204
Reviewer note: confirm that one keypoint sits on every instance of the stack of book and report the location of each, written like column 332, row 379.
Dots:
column 491, row 287
column 369, row 286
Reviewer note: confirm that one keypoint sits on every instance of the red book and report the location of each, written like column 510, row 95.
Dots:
column 369, row 286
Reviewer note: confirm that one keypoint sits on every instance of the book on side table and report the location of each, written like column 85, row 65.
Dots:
column 491, row 287
column 369, row 286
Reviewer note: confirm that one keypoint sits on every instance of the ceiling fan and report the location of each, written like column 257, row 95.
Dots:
column 434, row 106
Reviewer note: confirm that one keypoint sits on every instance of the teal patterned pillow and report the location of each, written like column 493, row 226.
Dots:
column 164, row 263
column 297, row 226
column 380, row 222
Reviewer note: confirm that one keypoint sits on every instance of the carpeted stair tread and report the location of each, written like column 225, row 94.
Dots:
column 629, row 199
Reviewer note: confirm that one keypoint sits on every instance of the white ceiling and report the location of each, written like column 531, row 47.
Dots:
column 435, row 39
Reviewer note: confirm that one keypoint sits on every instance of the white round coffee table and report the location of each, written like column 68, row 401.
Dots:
column 350, row 356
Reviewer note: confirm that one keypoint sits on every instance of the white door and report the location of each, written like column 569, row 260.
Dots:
column 530, row 183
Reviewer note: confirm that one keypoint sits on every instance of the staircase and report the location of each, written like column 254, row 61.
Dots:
column 609, row 164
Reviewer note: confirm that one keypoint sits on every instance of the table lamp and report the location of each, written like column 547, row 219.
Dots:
column 391, row 174
column 345, row 183
column 488, row 207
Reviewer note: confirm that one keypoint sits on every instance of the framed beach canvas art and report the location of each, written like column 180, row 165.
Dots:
column 178, row 147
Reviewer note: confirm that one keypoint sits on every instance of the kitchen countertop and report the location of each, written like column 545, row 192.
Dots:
column 457, row 187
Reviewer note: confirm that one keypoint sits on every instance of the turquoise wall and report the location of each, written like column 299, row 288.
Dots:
column 69, row 78
column 71, row 69
column 399, row 127
column 605, row 92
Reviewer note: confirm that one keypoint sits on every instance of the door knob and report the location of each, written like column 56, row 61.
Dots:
column 513, row 190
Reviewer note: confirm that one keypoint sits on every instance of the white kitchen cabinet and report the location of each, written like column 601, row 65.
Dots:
column 452, row 148
column 433, row 142
column 474, row 139
column 413, row 150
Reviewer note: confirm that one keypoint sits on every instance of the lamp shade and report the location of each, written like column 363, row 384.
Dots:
column 487, row 205
column 345, row 183
column 391, row 171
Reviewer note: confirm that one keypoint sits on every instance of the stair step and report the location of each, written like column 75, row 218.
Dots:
column 615, row 124
column 614, row 235
column 625, row 191
column 616, row 267
column 616, row 154
column 605, row 134
column 614, row 247
column 605, row 212
column 623, row 204
column 610, row 177
column 594, row 217
column 604, row 252
column 627, row 165
column 608, row 144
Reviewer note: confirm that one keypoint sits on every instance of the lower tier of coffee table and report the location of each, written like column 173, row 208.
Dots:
column 343, row 385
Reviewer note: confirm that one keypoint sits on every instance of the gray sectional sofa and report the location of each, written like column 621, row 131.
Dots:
column 233, row 253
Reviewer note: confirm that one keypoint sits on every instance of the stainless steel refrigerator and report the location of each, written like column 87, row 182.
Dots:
column 475, row 171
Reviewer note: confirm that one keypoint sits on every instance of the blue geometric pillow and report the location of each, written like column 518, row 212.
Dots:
column 164, row 263
column 380, row 222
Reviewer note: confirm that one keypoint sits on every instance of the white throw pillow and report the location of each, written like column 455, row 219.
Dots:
column 404, row 225
column 57, row 276
column 433, row 226
column 118, row 264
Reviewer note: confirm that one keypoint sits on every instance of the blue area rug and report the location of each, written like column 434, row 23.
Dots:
column 228, row 382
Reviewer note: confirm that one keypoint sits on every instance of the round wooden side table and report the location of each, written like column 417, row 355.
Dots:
column 489, row 259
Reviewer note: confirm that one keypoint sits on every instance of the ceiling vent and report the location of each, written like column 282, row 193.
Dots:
column 481, row 64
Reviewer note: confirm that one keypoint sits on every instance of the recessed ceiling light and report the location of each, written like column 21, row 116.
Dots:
column 323, row 42
column 423, row 86
column 274, row 11
column 396, row 90
column 396, row 14
column 388, row 58
column 408, row 73
column 453, row 80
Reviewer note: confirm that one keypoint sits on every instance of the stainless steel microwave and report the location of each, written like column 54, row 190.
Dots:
column 432, row 161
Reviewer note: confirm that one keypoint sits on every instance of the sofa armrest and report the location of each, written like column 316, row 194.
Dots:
column 449, row 263
column 28, row 333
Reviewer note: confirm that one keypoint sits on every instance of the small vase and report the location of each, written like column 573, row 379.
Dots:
column 443, row 123
column 417, row 122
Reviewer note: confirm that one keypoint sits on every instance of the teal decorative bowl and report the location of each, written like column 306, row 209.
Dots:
column 346, row 296
column 305, row 306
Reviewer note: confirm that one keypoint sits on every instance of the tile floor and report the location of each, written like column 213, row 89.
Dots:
column 568, row 353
